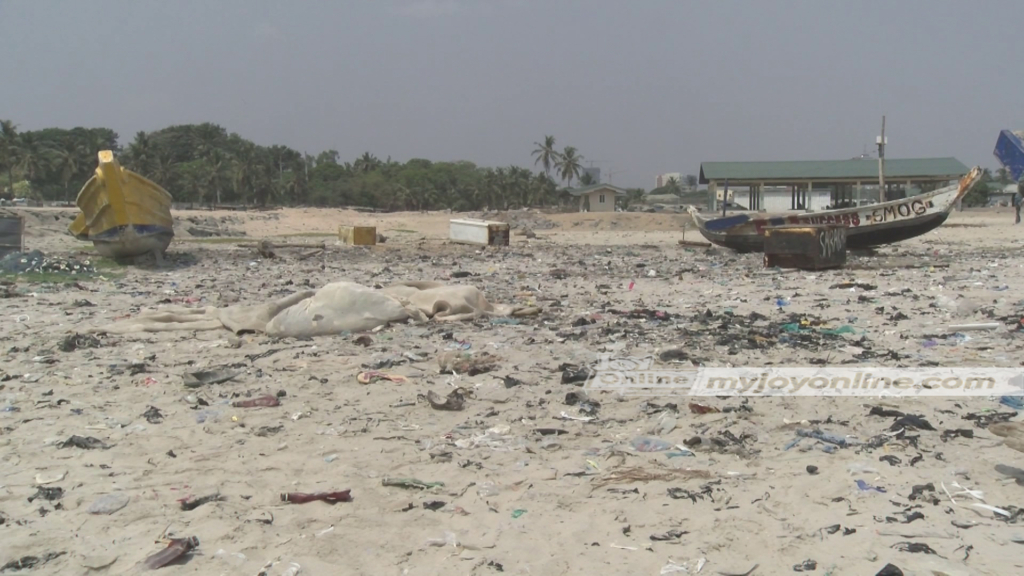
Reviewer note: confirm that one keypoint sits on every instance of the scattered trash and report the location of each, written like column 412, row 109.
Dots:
column 914, row 548
column 637, row 474
column 109, row 503
column 76, row 341
column 411, row 483
column 670, row 535
column 177, row 548
column 702, row 408
column 517, row 513
column 648, row 444
column 41, row 480
column 375, row 376
column 208, row 377
column 267, row 401
column 1015, row 402
column 329, row 497
column 572, row 374
column 83, row 442
column 189, row 504
column 30, row 562
column 48, row 494
column 836, row 439
column 806, row 566
column 36, row 261
column 153, row 415
column 865, row 487
column 969, row 327
column 471, row 364
column 456, row 399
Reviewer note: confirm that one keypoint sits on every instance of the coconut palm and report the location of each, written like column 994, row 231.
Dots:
column 366, row 163
column 569, row 164
column 140, row 154
column 546, row 154
column 673, row 186
column 67, row 163
column 35, row 158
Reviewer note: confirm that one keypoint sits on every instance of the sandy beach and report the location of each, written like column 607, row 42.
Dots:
column 533, row 475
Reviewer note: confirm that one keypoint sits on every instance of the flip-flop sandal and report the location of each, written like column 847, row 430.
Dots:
column 374, row 376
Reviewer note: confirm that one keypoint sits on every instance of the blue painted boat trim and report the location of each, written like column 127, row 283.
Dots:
column 725, row 223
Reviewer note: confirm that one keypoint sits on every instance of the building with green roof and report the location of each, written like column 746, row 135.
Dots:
column 845, row 181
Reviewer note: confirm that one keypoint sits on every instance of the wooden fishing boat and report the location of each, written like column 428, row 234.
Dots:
column 867, row 226
column 122, row 213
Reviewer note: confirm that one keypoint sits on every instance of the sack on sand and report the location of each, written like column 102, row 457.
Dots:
column 337, row 307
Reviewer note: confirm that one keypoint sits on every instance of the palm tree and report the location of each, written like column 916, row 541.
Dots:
column 673, row 186
column 9, row 149
column 215, row 163
column 366, row 163
column 546, row 154
column 35, row 158
column 140, row 154
column 569, row 164
column 206, row 138
column 67, row 163
column 162, row 169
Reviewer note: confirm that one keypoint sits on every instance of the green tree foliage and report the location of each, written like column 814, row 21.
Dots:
column 206, row 164
column 545, row 154
column 569, row 164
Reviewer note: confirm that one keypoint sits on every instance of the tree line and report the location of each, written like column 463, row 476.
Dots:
column 204, row 164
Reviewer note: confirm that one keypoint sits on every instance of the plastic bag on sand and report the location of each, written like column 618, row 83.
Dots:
column 450, row 539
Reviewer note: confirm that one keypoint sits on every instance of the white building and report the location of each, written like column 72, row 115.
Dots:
column 662, row 179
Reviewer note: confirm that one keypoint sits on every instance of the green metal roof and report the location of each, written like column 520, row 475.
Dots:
column 594, row 187
column 825, row 170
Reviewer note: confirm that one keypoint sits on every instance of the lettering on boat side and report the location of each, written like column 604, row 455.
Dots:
column 832, row 241
column 901, row 211
column 849, row 219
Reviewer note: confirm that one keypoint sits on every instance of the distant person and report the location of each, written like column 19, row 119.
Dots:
column 1018, row 197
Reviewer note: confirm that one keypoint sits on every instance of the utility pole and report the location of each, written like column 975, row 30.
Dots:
column 881, row 163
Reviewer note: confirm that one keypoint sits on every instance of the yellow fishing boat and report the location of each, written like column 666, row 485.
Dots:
column 123, row 214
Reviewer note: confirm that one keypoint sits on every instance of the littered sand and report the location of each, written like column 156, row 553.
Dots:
column 513, row 501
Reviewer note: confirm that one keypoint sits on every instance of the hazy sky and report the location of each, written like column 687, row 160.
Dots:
column 642, row 86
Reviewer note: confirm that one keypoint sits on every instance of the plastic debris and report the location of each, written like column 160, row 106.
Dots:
column 177, row 548
column 865, row 487
column 208, row 377
column 649, row 444
column 411, row 483
column 109, row 503
column 329, row 497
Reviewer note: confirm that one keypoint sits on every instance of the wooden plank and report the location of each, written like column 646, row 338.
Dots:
column 358, row 235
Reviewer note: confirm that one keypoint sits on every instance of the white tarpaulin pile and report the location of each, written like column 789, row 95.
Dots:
column 337, row 307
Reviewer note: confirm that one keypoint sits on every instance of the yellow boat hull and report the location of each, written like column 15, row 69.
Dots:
column 123, row 214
